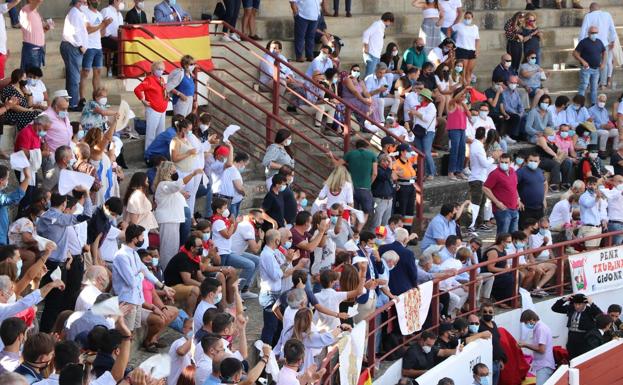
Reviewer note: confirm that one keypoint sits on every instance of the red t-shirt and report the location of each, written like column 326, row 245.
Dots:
column 27, row 139
column 153, row 90
column 503, row 187
column 298, row 238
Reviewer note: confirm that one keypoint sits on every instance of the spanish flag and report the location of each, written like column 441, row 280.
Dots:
column 143, row 44
column 365, row 378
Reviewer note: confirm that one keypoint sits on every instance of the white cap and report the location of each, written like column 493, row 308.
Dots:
column 358, row 259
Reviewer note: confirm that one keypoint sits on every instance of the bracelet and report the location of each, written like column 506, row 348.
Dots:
column 264, row 360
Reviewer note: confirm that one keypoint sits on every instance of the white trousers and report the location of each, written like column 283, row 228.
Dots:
column 391, row 103
column 183, row 108
column 155, row 122
column 604, row 134
column 458, row 297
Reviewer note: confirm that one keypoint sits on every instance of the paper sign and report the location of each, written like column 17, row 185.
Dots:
column 19, row 161
column 272, row 367
column 69, row 180
column 357, row 213
column 107, row 308
column 158, row 366
column 42, row 242
column 124, row 115
column 351, row 246
column 229, row 131
column 352, row 311
column 56, row 274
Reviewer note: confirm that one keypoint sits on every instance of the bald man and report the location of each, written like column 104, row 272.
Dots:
column 95, row 283
column 607, row 35
column 591, row 53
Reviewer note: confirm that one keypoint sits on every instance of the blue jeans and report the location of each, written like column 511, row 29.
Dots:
column 271, row 323
column 371, row 63
column 185, row 226
column 248, row 263
column 543, row 374
column 32, row 56
column 613, row 226
column 587, row 76
column 425, row 145
column 457, row 151
column 13, row 14
column 444, row 30
column 304, row 35
column 73, row 62
column 234, row 208
column 496, row 372
column 507, row 221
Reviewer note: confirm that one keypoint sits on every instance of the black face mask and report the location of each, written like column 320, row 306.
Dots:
column 535, row 231
column 174, row 176
column 199, row 251
column 487, row 317
column 22, row 83
column 419, row 48
column 140, row 244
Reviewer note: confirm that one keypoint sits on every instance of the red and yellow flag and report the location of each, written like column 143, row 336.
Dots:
column 365, row 378
column 145, row 43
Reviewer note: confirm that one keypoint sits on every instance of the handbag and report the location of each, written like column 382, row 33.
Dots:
column 419, row 130
column 219, row 11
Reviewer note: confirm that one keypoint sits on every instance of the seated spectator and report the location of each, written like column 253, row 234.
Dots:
column 24, row 111
column 583, row 139
column 441, row 226
column 354, row 91
column 561, row 217
column 615, row 331
column 379, row 89
column 539, row 119
column 420, row 357
column 446, row 345
column 445, row 52
column 38, row 348
column 427, row 77
column 415, row 56
column 315, row 103
column 184, row 275
column 554, row 160
column 532, row 76
column 97, row 111
column 616, row 160
column 13, row 336
column 169, row 11
column 445, row 88
column 590, row 165
column 577, row 113
column 512, row 108
column 37, row 88
column 481, row 374
column 321, row 63
column 605, row 127
column 564, row 141
column 559, row 111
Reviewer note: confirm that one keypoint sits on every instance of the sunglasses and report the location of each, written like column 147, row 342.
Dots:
column 487, row 312
column 474, row 323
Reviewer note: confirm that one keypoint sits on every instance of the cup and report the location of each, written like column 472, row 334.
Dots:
column 556, row 67
column 563, row 66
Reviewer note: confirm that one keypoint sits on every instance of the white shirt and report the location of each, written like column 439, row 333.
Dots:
column 270, row 271
column 243, row 234
column 437, row 56
column 345, row 197
column 227, row 184
column 558, row 117
column 330, row 299
column 536, row 241
column 466, row 36
column 204, row 367
column 222, row 244
column 411, row 101
column 620, row 108
column 51, row 380
column 450, row 10
column 75, row 28
column 178, row 363
column 104, row 379
column 615, row 203
column 94, row 18
column 401, row 132
column 373, row 37
column 429, row 117
column 561, row 214
column 170, row 202
column 373, row 83
column 198, row 316
column 117, row 20
column 603, row 21
column 308, row 10
column 487, row 123
column 37, row 91
column 87, row 298
column 4, row 8
column 479, row 164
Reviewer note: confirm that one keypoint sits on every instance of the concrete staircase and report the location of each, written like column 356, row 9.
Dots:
column 560, row 28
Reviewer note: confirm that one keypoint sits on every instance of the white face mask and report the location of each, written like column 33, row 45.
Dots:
column 426, row 349
column 620, row 187
column 121, row 6
column 102, row 101
column 226, row 213
column 140, row 5
column 287, row 142
column 601, row 104
column 512, row 86
column 191, row 68
column 204, row 127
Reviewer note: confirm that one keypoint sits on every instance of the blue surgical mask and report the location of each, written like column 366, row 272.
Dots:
column 42, row 134
column 530, row 326
column 551, row 138
column 62, row 114
column 564, row 134
column 509, row 249
column 467, row 21
column 304, row 202
column 282, row 188
column 81, row 134
column 484, row 380
column 378, row 241
column 571, row 133
column 519, row 161
column 519, row 245
column 504, row 166
column 544, row 106
column 218, row 298
column 158, row 73
column 287, row 245
column 532, row 61
column 205, row 237
column 593, row 36
column 333, row 220
column 543, row 232
column 154, row 261
column 532, row 165
column 458, row 69
column 473, row 329
column 172, row 2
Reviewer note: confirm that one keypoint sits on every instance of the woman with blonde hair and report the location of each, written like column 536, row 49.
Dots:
column 102, row 158
column 170, row 202
column 338, row 188
column 184, row 154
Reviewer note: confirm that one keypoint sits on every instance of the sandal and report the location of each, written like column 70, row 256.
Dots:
column 151, row 348
column 161, row 345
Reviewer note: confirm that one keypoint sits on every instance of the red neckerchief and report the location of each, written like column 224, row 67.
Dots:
column 422, row 105
column 283, row 250
column 216, row 217
column 194, row 258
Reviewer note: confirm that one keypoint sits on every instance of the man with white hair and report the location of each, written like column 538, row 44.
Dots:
column 95, row 282
column 11, row 309
column 60, row 131
column 404, row 276
column 153, row 94
column 10, row 378
column 607, row 35
column 615, row 206
column 605, row 128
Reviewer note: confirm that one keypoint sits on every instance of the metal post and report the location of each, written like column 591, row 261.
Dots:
column 371, row 353
column 515, row 265
column 560, row 274
column 472, row 289
column 435, row 305
column 347, row 128
column 275, row 102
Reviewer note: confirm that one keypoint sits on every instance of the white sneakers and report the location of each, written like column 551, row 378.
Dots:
column 230, row 37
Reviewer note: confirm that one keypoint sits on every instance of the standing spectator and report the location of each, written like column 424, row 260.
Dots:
column 424, row 125
column 430, row 30
column 581, row 312
column 458, row 113
column 373, row 41
column 306, row 14
column 169, row 11
column 383, row 191
column 404, row 204
column 414, row 56
column 10, row 199
column 615, row 205
column 4, row 8
column 29, row 140
column 271, row 271
column 111, row 33
column 512, row 108
column 181, row 85
column 531, row 185
column 379, row 87
column 499, row 356
column 232, row 11
column 250, row 9
column 403, row 276
column 231, row 183
column 362, row 165
column 590, row 212
column 153, row 94
column 531, row 37
column 605, row 128
column 501, row 188
column 467, row 44
column 136, row 15
column 277, row 155
column 33, row 35
column 185, row 155
column 480, row 166
column 273, row 204
column 607, row 35
column 591, row 53
column 514, row 38
column 74, row 45
column 452, row 11
column 138, row 208
column 336, row 8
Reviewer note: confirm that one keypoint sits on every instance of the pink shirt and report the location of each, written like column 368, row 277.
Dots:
column 32, row 26
column 457, row 119
column 60, row 132
column 148, row 288
column 563, row 144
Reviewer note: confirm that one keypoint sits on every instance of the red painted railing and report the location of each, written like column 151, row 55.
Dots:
column 372, row 361
column 261, row 114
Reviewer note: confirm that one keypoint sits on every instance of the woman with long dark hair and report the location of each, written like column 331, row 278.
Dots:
column 278, row 154
column 514, row 38
column 504, row 283
column 138, row 207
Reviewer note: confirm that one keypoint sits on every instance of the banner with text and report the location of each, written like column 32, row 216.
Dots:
column 598, row 270
column 412, row 308
column 459, row 366
column 351, row 348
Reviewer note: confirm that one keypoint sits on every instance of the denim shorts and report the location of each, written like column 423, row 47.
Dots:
column 93, row 58
column 246, row 4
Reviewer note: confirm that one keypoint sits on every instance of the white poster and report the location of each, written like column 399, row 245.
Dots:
column 412, row 308
column 351, row 347
column 598, row 270
column 459, row 367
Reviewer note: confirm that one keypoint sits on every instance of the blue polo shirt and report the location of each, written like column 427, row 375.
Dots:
column 160, row 145
column 438, row 228
column 531, row 187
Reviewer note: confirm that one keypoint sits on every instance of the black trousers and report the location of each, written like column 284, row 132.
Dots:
column 553, row 167
column 575, row 344
column 478, row 198
column 511, row 126
column 404, row 202
column 529, row 213
column 56, row 301
column 515, row 49
column 111, row 44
